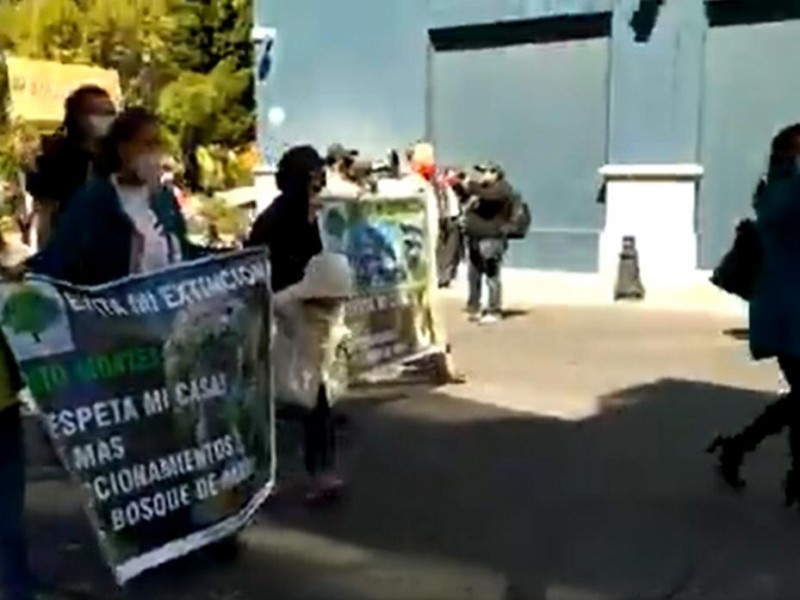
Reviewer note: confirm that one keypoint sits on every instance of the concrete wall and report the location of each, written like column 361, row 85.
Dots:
column 359, row 72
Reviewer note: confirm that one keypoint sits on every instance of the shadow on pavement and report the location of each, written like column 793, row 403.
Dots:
column 621, row 505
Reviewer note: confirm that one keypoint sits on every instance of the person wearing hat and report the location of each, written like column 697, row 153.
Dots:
column 288, row 228
column 486, row 213
column 311, row 362
column 340, row 162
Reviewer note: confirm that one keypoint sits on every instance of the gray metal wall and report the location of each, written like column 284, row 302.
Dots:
column 752, row 89
column 357, row 72
column 539, row 110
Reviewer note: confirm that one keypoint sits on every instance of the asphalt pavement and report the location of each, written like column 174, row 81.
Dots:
column 569, row 467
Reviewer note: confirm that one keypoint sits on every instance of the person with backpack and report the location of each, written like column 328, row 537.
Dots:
column 490, row 220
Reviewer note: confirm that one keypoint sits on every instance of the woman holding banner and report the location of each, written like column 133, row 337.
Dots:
column 123, row 221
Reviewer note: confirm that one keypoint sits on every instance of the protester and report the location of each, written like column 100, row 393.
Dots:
column 450, row 243
column 486, row 214
column 122, row 221
column 15, row 576
column 774, row 313
column 68, row 158
column 339, row 172
column 311, row 362
column 288, row 228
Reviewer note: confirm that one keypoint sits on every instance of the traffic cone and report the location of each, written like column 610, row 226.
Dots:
column 629, row 282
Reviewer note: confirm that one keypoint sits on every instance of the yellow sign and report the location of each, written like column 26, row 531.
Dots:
column 38, row 88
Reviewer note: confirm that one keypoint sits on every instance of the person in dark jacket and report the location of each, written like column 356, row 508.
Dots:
column 67, row 158
column 122, row 221
column 774, row 313
column 486, row 214
column 289, row 229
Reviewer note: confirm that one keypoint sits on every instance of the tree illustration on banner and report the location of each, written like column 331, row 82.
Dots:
column 29, row 311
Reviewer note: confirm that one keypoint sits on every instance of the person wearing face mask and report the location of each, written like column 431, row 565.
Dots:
column 124, row 220
column 288, row 227
column 774, row 314
column 289, row 230
column 67, row 159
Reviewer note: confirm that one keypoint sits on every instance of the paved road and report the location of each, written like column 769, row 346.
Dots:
column 569, row 468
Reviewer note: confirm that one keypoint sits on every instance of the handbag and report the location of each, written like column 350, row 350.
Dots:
column 738, row 270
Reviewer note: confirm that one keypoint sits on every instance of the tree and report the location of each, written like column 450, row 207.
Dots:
column 213, row 40
column 189, row 59
column 129, row 36
column 206, row 109
column 29, row 311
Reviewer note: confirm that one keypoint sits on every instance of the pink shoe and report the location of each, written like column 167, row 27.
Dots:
column 325, row 488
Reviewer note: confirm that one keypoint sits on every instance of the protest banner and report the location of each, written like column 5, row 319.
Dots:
column 389, row 247
column 156, row 392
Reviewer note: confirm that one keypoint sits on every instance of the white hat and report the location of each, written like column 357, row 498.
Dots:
column 328, row 275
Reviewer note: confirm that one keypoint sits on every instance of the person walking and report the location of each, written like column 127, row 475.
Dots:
column 774, row 315
column 67, row 159
column 289, row 229
column 122, row 222
column 15, row 574
column 450, row 243
column 486, row 214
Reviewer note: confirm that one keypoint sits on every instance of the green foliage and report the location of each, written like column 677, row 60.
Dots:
column 130, row 36
column 229, row 220
column 28, row 311
column 206, row 106
column 189, row 59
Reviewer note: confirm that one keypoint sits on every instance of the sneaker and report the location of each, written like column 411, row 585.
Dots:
column 473, row 316
column 489, row 319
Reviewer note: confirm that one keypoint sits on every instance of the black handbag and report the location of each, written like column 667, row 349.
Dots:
column 738, row 270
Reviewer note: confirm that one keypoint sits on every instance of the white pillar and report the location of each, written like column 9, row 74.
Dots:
column 656, row 204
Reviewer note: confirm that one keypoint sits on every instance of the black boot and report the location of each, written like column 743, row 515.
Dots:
column 729, row 461
column 731, row 451
column 791, row 485
column 791, row 488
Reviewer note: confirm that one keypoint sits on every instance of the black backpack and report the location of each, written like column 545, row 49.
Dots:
column 519, row 219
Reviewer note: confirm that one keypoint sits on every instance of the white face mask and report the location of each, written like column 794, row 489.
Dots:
column 148, row 168
column 100, row 124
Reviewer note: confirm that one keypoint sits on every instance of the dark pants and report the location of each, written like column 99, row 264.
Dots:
column 14, row 568
column 485, row 262
column 449, row 251
column 777, row 416
column 320, row 437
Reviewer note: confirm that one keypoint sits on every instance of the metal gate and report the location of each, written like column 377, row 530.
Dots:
column 539, row 108
column 752, row 79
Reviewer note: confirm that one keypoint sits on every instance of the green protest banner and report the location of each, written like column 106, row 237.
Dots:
column 156, row 393
column 388, row 244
